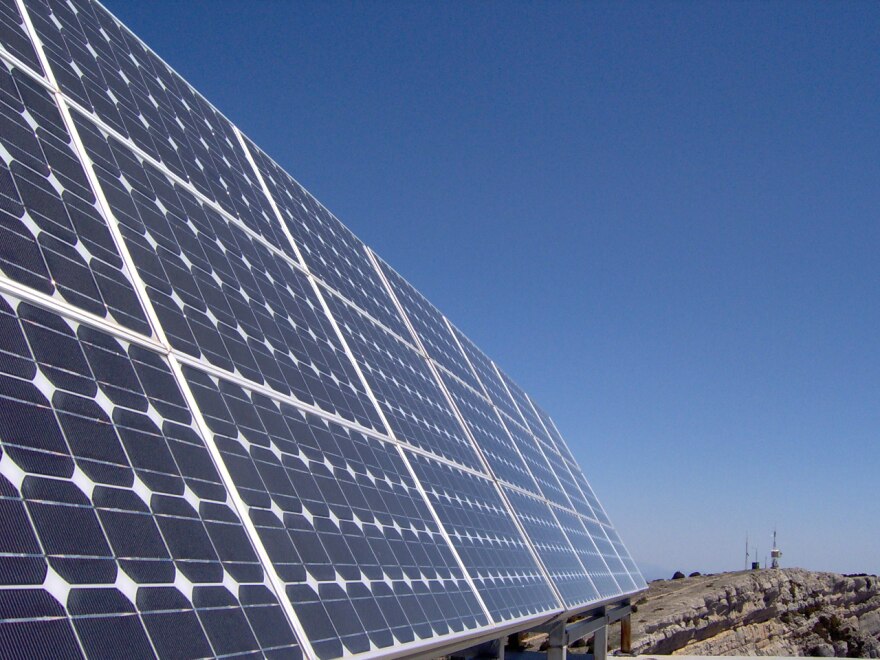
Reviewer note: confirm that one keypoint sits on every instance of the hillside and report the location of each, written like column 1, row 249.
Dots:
column 770, row 612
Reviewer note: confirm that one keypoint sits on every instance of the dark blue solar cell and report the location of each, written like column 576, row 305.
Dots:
column 121, row 507
column 14, row 38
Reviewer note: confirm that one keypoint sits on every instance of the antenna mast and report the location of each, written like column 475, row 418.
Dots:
column 775, row 553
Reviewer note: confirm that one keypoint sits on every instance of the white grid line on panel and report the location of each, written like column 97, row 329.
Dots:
column 339, row 334
column 66, row 309
column 495, row 481
column 16, row 62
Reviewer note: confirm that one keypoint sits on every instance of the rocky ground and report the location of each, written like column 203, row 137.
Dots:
column 769, row 612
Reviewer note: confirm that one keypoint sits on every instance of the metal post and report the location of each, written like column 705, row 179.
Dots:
column 600, row 644
column 557, row 643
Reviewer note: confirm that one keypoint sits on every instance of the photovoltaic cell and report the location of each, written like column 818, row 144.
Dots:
column 487, row 540
column 13, row 36
column 52, row 236
column 553, row 547
column 116, row 527
column 431, row 328
column 405, row 388
column 363, row 562
column 333, row 253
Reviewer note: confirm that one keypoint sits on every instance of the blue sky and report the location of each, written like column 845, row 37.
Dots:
column 663, row 219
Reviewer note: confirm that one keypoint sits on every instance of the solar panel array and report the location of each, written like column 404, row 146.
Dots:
column 226, row 426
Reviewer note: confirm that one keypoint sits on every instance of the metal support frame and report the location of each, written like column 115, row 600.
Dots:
column 562, row 634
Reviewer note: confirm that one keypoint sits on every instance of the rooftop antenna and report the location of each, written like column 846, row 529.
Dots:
column 775, row 553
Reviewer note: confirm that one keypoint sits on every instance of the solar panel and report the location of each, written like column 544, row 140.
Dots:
column 227, row 428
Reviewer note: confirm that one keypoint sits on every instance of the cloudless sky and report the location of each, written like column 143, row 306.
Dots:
column 662, row 219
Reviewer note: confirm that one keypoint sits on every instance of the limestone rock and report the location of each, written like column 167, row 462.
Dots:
column 770, row 612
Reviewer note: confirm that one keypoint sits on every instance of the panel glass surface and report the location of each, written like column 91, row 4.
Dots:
column 430, row 327
column 331, row 251
column 490, row 435
column 52, row 236
column 14, row 39
column 103, row 68
column 116, row 531
column 405, row 388
column 487, row 540
column 222, row 295
column 346, row 529
column 553, row 547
